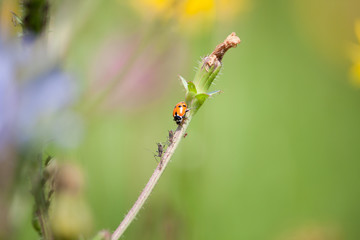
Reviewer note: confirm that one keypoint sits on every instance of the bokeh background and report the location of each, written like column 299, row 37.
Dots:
column 275, row 156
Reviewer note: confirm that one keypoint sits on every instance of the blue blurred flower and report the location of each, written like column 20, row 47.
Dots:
column 34, row 93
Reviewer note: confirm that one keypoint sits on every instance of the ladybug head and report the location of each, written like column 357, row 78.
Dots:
column 178, row 119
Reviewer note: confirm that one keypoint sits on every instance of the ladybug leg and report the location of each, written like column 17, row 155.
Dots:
column 183, row 120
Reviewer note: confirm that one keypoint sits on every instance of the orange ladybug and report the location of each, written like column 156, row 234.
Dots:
column 179, row 112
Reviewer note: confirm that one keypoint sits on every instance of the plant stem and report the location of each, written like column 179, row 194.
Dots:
column 207, row 72
column 41, row 204
column 178, row 135
column 41, row 213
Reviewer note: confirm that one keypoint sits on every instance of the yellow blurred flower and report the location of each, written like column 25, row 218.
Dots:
column 151, row 8
column 195, row 14
column 355, row 69
column 191, row 14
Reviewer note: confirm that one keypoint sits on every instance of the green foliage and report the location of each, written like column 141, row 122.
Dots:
column 199, row 100
column 196, row 91
column 35, row 16
column 191, row 87
column 205, row 76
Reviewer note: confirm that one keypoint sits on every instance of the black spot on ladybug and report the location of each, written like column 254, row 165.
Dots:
column 184, row 105
column 179, row 106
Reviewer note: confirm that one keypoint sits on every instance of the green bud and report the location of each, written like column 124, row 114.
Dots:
column 206, row 75
column 209, row 68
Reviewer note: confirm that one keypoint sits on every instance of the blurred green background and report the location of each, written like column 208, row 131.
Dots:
column 275, row 156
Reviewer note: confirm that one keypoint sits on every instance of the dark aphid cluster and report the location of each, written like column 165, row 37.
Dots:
column 161, row 147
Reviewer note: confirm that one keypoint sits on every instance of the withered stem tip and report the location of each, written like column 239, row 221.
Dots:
column 216, row 56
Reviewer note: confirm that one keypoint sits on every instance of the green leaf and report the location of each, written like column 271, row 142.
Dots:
column 191, row 87
column 198, row 101
column 213, row 93
column 201, row 97
column 184, row 82
column 190, row 93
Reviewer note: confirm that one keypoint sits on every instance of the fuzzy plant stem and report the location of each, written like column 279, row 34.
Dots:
column 178, row 135
column 41, row 214
column 41, row 203
column 196, row 95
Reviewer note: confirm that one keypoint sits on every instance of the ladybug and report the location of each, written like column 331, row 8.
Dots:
column 179, row 112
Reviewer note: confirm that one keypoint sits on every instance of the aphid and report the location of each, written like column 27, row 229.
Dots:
column 16, row 19
column 159, row 154
column 171, row 136
column 185, row 135
column 159, row 151
column 179, row 112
